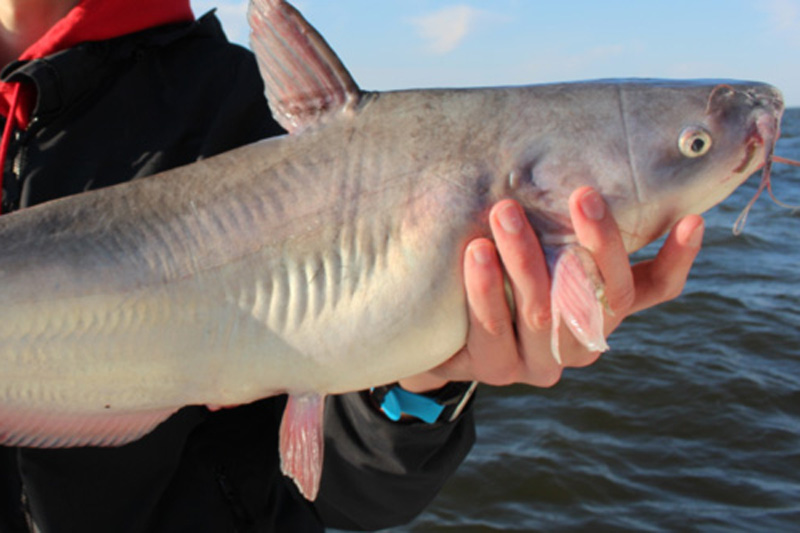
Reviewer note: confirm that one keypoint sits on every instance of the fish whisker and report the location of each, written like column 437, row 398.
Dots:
column 766, row 182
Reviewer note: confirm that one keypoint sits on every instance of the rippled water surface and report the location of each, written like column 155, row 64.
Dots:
column 690, row 423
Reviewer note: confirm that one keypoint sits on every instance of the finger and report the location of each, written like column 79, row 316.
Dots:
column 664, row 277
column 491, row 342
column 598, row 232
column 524, row 261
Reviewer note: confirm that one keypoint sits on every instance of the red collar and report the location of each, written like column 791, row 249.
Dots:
column 97, row 20
column 93, row 20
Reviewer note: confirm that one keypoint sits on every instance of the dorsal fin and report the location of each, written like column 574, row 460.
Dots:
column 304, row 79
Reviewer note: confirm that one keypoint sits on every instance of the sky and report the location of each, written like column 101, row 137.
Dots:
column 400, row 44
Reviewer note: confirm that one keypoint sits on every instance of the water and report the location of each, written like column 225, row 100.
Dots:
column 690, row 423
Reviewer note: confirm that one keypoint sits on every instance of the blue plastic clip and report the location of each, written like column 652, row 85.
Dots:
column 399, row 401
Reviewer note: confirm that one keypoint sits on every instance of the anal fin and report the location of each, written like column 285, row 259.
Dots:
column 302, row 442
column 577, row 297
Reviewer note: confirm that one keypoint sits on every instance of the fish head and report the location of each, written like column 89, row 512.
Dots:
column 691, row 144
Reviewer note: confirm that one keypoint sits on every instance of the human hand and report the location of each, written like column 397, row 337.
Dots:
column 502, row 349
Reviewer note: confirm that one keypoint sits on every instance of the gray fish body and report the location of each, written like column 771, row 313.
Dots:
column 330, row 261
column 252, row 273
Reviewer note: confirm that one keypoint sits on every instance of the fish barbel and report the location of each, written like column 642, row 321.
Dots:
column 329, row 260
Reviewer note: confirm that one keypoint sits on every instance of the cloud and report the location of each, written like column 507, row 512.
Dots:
column 784, row 17
column 784, row 14
column 445, row 29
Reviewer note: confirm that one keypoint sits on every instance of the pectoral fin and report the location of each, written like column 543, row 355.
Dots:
column 577, row 297
column 301, row 442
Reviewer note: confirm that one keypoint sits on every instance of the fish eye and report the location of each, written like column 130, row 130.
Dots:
column 694, row 142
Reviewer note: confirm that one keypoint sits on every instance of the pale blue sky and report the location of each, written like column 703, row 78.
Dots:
column 394, row 44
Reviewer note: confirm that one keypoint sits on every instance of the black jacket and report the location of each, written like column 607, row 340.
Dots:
column 112, row 111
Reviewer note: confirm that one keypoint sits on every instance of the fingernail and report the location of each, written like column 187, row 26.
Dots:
column 696, row 237
column 481, row 253
column 510, row 219
column 592, row 205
